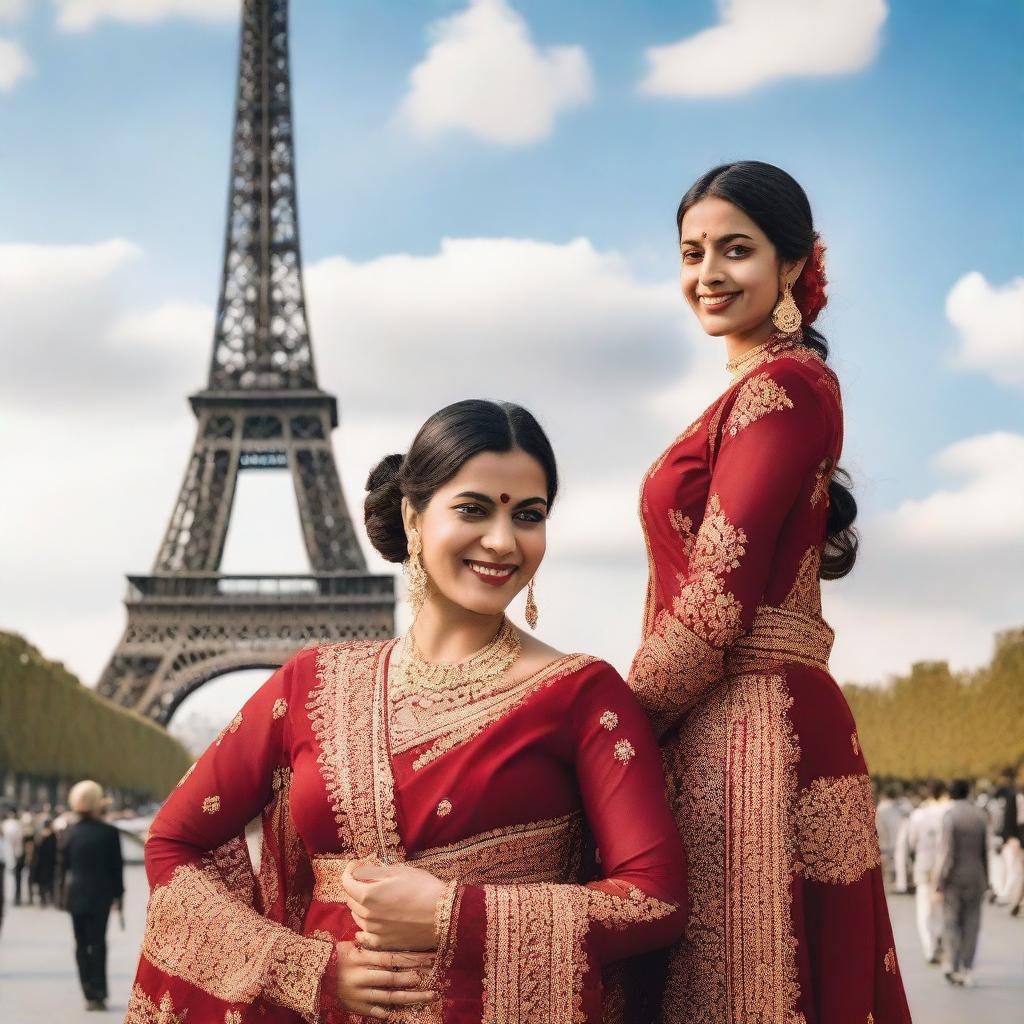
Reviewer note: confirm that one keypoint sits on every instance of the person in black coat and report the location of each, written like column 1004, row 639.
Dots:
column 44, row 863
column 94, row 883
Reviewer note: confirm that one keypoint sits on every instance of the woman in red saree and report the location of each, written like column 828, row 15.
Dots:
column 743, row 514
column 469, row 778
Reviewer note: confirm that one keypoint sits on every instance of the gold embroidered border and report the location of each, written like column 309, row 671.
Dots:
column 778, row 636
column 732, row 779
column 347, row 714
column 672, row 669
column 543, row 851
column 762, row 757
column 196, row 931
column 835, row 824
column 535, row 956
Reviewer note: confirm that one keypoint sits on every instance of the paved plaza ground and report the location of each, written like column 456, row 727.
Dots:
column 38, row 984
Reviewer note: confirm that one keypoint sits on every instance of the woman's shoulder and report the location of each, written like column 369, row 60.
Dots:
column 310, row 662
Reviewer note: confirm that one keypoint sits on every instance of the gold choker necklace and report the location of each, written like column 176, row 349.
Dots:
column 479, row 669
column 741, row 364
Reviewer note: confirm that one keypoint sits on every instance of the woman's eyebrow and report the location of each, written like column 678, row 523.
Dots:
column 477, row 496
column 721, row 241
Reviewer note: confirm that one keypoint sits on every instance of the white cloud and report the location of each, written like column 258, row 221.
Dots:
column 937, row 576
column 13, row 10
column 759, row 41
column 984, row 512
column 483, row 74
column 15, row 64
column 81, row 15
column 89, row 351
column 991, row 325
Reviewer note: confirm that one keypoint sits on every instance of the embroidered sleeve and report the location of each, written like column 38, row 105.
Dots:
column 204, row 927
column 772, row 442
column 540, row 947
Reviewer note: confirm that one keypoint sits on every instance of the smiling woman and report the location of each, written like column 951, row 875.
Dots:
column 433, row 805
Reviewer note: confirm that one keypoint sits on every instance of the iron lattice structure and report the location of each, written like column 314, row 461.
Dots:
column 262, row 408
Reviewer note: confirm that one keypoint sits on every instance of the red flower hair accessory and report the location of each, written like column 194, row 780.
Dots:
column 809, row 289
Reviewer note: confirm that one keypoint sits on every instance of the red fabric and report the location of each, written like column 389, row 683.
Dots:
column 809, row 289
column 546, row 757
column 770, row 788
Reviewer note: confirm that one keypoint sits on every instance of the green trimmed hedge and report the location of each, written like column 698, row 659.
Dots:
column 934, row 723
column 53, row 727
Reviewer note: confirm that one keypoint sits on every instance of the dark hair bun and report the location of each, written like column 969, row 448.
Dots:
column 382, row 509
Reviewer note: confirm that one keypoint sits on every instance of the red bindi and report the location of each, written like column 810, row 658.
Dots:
column 505, row 499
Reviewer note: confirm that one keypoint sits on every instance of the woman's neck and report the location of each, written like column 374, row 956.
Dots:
column 446, row 633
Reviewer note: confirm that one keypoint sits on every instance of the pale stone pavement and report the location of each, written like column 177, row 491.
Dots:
column 39, row 985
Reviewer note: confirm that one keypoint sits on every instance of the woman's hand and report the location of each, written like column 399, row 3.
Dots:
column 394, row 907
column 373, row 984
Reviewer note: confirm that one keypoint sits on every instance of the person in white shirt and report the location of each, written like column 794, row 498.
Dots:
column 11, row 847
column 924, row 832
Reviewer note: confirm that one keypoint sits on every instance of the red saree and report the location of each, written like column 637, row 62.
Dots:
column 788, row 921
column 492, row 791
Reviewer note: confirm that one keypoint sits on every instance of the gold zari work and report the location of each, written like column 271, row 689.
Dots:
column 609, row 720
column 758, row 397
column 535, row 954
column 211, row 805
column 544, row 851
column 624, row 751
column 447, row 719
column 777, row 636
column 890, row 960
column 142, row 1009
column 280, row 708
column 835, row 826
column 197, row 931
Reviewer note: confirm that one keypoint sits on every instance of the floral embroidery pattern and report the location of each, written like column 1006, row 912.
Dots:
column 609, row 720
column 142, row 1009
column 890, row 961
column 835, row 825
column 444, row 808
column 624, row 752
column 683, row 525
column 232, row 1017
column 280, row 708
column 855, row 743
column 758, row 397
column 211, row 805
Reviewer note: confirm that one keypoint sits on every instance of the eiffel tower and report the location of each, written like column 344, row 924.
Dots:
column 262, row 409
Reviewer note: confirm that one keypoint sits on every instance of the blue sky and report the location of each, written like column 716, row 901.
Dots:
column 911, row 161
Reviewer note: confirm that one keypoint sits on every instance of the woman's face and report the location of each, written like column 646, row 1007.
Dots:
column 731, row 275
column 483, row 532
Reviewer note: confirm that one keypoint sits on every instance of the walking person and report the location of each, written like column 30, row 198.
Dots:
column 743, row 514
column 15, row 849
column 44, row 863
column 962, row 879
column 1009, row 892
column 888, row 818
column 95, row 883
column 923, row 835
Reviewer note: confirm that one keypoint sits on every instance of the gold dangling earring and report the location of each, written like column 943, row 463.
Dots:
column 415, row 574
column 531, row 606
column 786, row 314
